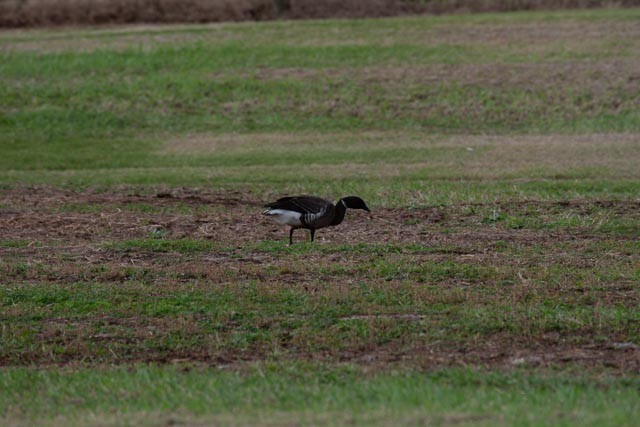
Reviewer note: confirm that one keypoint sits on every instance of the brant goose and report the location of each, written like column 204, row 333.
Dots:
column 311, row 212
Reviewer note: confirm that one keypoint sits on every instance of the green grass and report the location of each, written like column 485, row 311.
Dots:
column 312, row 394
column 104, row 114
column 199, row 299
column 14, row 243
column 160, row 245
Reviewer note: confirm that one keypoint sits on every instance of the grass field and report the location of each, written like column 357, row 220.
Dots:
column 496, row 281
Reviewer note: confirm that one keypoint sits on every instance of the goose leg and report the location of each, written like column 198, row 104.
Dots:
column 291, row 236
column 313, row 232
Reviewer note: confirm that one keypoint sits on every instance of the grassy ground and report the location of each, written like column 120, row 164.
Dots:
column 495, row 283
column 318, row 395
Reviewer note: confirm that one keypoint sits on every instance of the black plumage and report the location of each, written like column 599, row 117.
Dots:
column 311, row 212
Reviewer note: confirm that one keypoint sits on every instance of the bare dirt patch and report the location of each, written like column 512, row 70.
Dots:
column 591, row 76
column 232, row 217
column 537, row 33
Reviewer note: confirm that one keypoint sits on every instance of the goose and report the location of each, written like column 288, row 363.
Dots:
column 311, row 212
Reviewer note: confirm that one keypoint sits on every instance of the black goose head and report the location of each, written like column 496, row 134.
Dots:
column 354, row 202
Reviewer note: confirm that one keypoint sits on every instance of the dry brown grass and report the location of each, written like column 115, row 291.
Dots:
column 478, row 156
column 27, row 13
column 593, row 76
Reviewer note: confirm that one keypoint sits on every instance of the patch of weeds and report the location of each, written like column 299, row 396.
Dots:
column 624, row 247
column 139, row 207
column 500, row 245
column 515, row 222
column 439, row 271
column 148, row 208
column 495, row 215
column 622, row 226
column 418, row 271
column 142, row 275
column 81, row 208
column 18, row 243
column 22, row 269
column 157, row 233
column 162, row 245
column 356, row 248
column 281, row 246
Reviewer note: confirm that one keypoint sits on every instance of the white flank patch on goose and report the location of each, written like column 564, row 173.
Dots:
column 284, row 216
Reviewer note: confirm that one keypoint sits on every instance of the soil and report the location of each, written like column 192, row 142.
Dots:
column 76, row 227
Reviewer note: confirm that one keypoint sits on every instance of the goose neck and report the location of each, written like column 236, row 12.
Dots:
column 341, row 208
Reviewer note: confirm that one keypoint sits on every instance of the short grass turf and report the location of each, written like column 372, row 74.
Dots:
column 107, row 106
column 499, row 152
column 302, row 394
